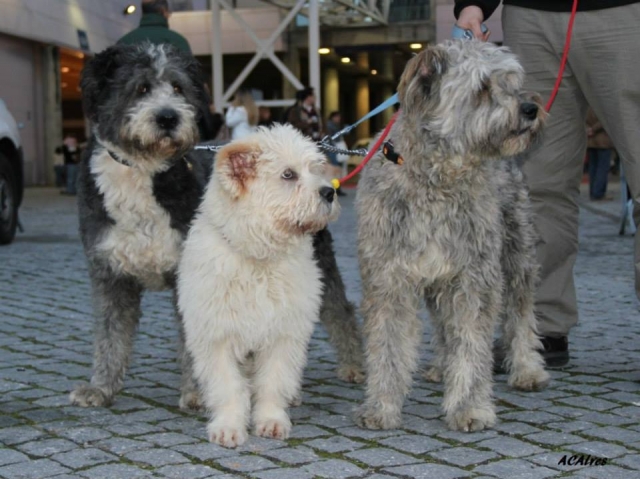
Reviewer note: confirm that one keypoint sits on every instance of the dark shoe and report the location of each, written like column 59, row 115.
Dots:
column 555, row 353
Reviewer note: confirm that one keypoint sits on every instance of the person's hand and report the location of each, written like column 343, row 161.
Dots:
column 470, row 19
column 589, row 131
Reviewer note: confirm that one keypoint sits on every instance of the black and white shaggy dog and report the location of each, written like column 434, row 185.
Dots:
column 139, row 186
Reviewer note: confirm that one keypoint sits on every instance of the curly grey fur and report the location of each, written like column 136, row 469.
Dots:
column 451, row 224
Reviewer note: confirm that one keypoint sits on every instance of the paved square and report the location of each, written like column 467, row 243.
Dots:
column 592, row 408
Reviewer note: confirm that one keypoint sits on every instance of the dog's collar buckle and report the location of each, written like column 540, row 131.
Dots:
column 391, row 154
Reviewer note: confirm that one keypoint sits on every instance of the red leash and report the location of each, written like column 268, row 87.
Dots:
column 563, row 62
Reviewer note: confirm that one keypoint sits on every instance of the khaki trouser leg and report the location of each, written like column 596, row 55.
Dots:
column 608, row 72
column 603, row 70
column 554, row 169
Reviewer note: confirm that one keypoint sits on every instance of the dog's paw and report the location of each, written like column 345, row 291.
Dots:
column 351, row 374
column 433, row 374
column 275, row 428
column 372, row 418
column 190, row 400
column 530, row 380
column 226, row 434
column 472, row 419
column 86, row 395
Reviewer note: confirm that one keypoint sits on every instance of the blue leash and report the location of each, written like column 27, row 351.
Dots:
column 380, row 108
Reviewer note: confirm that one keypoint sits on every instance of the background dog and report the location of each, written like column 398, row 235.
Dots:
column 248, row 283
column 452, row 223
column 139, row 186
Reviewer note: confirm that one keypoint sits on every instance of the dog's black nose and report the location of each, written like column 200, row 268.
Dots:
column 529, row 110
column 327, row 193
column 167, row 119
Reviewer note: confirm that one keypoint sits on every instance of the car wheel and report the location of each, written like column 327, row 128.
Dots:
column 8, row 202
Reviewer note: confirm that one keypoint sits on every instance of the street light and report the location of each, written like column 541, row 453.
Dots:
column 129, row 9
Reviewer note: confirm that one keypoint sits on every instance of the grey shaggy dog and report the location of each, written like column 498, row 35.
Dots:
column 451, row 224
column 140, row 184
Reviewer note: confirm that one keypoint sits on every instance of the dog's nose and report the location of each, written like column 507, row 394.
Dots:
column 529, row 110
column 167, row 119
column 327, row 193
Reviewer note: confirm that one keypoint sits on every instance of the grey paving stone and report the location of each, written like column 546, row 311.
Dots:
column 465, row 437
column 463, row 456
column 156, row 457
column 515, row 428
column 599, row 449
column 381, row 457
column 334, row 469
column 608, row 472
column 289, row 473
column 335, row 444
column 369, row 434
column 590, row 403
column 33, row 470
column 611, row 433
column 553, row 438
column 429, row 471
column 516, row 468
column 187, row 471
column 9, row 456
column 246, row 463
column 133, row 429
column 85, row 434
column 631, row 461
column 414, row 444
column 80, row 458
column 20, row 434
column 113, row 471
column 168, row 439
column 306, row 431
column 122, row 445
column 47, row 447
column 510, row 447
column 298, row 455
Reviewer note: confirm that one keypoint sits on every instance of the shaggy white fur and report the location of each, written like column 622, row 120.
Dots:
column 248, row 285
column 141, row 242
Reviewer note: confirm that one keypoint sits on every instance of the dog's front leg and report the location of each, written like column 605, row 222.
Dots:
column 277, row 381
column 393, row 333
column 225, row 392
column 468, row 313
column 117, row 311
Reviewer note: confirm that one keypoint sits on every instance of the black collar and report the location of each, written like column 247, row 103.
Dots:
column 122, row 161
column 391, row 154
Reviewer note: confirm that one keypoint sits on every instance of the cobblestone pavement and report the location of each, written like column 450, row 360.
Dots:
column 591, row 408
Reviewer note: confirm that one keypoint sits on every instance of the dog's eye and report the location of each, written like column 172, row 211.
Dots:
column 177, row 89
column 144, row 89
column 289, row 174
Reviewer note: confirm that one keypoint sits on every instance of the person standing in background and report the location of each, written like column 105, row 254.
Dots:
column 599, row 158
column 304, row 116
column 242, row 115
column 154, row 27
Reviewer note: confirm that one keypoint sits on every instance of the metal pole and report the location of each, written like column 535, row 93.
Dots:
column 314, row 45
column 216, row 56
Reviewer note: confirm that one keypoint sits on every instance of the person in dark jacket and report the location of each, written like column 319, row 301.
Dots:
column 154, row 27
column 602, row 72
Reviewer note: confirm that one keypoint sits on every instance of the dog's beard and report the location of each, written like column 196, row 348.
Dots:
column 152, row 143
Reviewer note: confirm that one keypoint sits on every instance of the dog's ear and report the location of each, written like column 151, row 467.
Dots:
column 95, row 77
column 427, row 66
column 236, row 167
